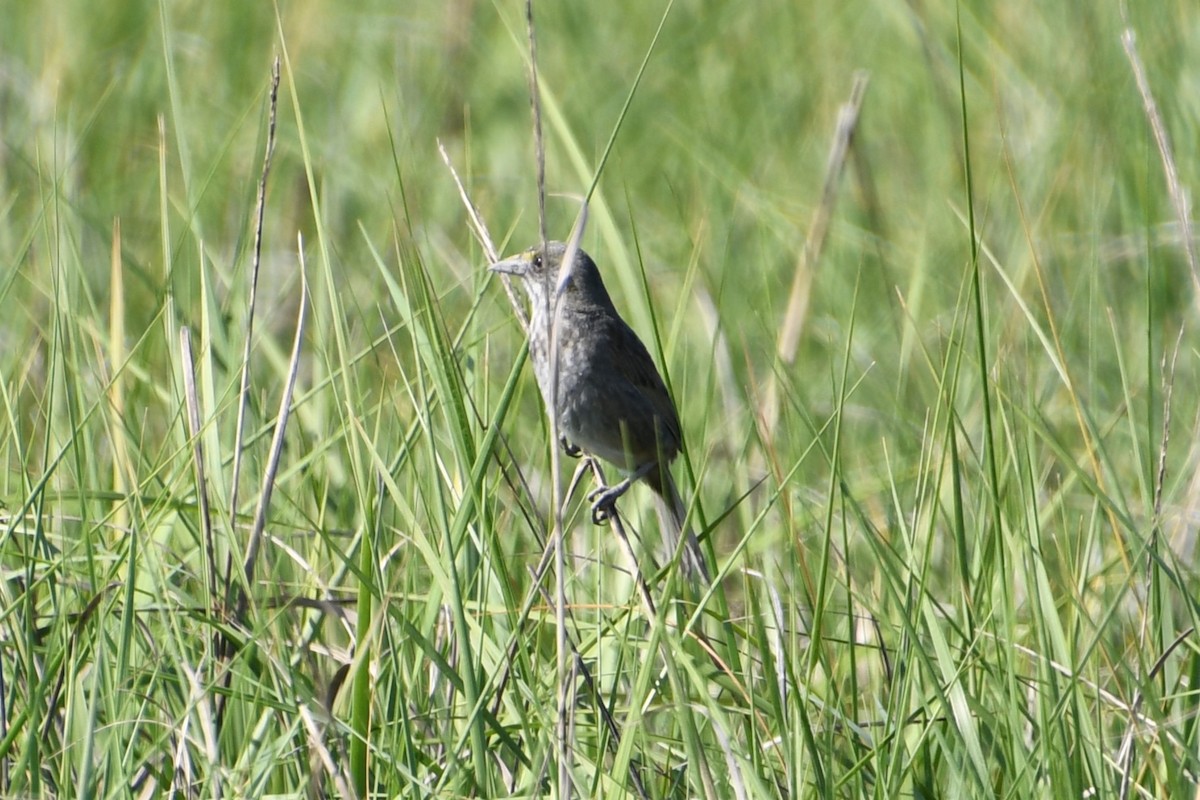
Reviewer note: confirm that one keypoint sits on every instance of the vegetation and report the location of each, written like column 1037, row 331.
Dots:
column 955, row 534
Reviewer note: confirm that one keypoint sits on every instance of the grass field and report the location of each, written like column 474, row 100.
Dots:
column 953, row 520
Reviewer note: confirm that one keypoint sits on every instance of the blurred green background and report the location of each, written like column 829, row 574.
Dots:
column 981, row 487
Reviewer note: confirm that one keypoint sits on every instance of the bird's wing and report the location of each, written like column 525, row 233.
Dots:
column 634, row 363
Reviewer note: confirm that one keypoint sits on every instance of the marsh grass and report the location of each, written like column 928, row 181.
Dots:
column 960, row 562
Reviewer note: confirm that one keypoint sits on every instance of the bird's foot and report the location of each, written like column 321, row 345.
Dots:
column 604, row 501
column 570, row 448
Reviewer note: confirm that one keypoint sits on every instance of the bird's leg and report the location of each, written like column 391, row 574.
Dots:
column 604, row 499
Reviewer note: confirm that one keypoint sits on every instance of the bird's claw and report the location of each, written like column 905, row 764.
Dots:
column 604, row 502
column 601, row 514
column 570, row 448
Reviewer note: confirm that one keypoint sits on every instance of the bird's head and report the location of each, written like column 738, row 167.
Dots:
column 539, row 270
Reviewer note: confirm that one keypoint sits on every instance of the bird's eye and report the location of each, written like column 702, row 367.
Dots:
column 537, row 262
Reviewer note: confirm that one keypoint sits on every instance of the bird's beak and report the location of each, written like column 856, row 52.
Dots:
column 515, row 265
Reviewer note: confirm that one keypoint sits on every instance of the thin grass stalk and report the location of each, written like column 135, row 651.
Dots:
column 192, row 402
column 563, row 749
column 243, row 398
column 985, row 379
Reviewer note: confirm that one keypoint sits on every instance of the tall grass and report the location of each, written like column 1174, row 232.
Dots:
column 956, row 560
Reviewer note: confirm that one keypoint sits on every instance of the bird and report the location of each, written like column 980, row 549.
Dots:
column 610, row 400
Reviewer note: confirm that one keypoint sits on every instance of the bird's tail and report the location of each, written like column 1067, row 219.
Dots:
column 672, row 518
